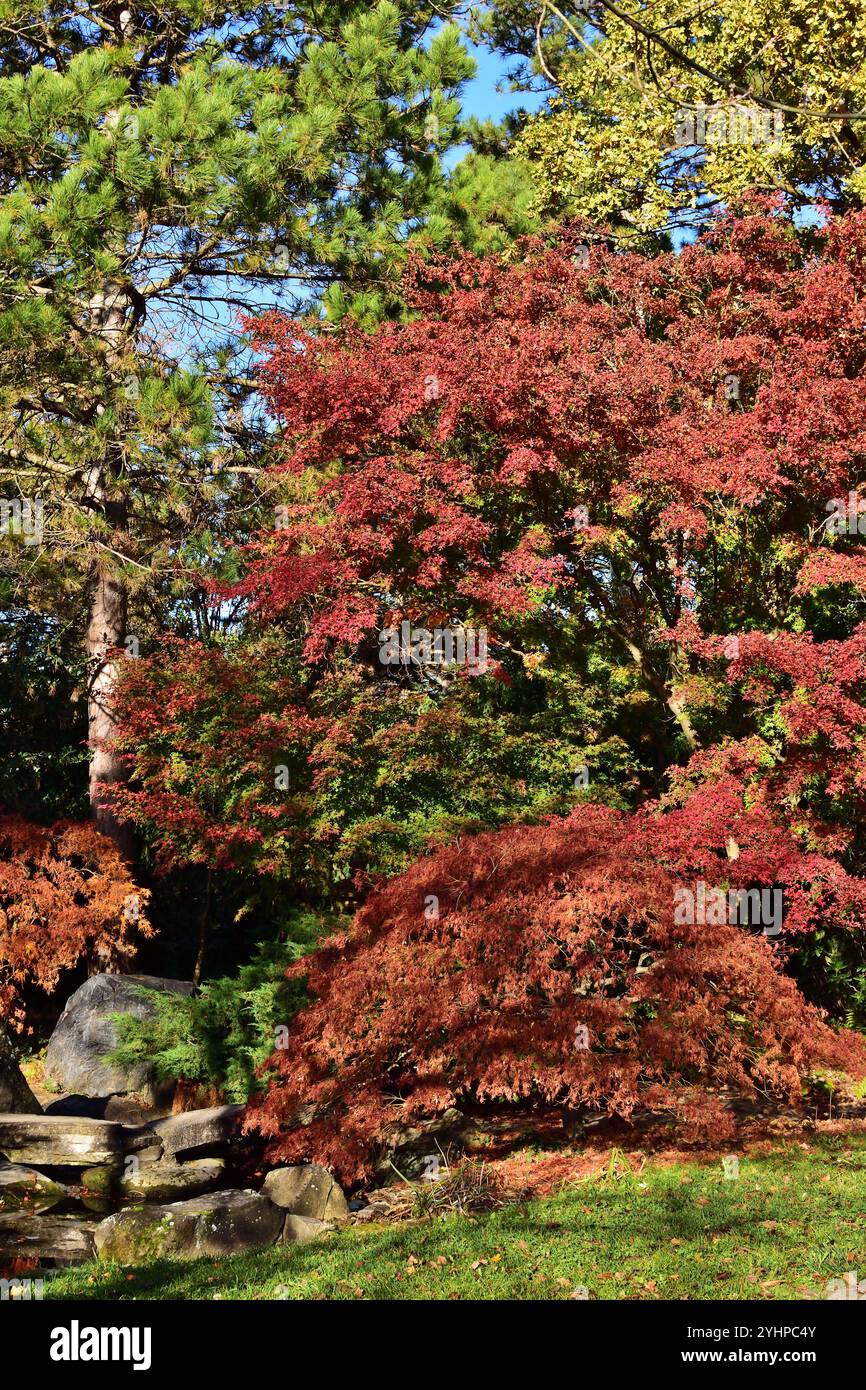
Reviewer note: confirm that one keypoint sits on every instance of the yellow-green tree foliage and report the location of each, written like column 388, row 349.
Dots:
column 672, row 107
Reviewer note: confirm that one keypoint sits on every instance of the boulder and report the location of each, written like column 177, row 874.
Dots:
column 300, row 1230
column 410, row 1149
column 307, row 1190
column 84, row 1034
column 25, row 1189
column 67, row 1141
column 143, row 1141
column 195, row 1131
column 154, row 1182
column 66, row 1239
column 15, row 1094
column 221, row 1224
column 138, row 1110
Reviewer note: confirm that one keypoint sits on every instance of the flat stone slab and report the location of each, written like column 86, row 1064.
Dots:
column 68, row 1239
column 194, row 1130
column 68, row 1140
column 141, row 1140
column 24, row 1189
column 223, row 1223
column 154, row 1182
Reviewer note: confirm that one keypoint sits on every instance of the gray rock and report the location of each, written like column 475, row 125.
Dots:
column 376, row 1211
column 307, row 1190
column 135, row 1110
column 152, row 1154
column 60, row 1140
column 197, row 1130
column 221, row 1224
column 66, row 1239
column 25, row 1189
column 409, row 1148
column 15, row 1094
column 380, row 1203
column 143, row 1141
column 300, row 1230
column 154, row 1182
column 84, row 1034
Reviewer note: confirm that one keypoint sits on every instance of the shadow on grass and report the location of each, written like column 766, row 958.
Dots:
column 575, row 1232
column 682, row 1229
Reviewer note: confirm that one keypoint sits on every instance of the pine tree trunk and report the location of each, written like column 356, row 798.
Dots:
column 108, row 316
column 106, row 631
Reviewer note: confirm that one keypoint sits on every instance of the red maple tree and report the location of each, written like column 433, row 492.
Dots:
column 613, row 462
column 597, row 446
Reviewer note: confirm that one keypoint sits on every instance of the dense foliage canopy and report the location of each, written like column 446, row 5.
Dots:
column 450, row 522
column 657, row 113
column 622, row 472
column 626, row 470
column 545, row 966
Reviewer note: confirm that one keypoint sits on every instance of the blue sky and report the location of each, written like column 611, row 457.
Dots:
column 480, row 97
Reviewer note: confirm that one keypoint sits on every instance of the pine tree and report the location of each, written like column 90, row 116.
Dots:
column 165, row 166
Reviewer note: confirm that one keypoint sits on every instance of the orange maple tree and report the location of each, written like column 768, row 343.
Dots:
column 65, row 894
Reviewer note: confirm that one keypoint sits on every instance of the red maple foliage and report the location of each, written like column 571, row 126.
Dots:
column 800, row 754
column 549, row 437
column 200, row 735
column 620, row 465
column 470, row 980
column 65, row 894
column 625, row 465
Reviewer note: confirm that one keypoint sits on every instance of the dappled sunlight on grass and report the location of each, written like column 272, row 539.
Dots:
column 789, row 1222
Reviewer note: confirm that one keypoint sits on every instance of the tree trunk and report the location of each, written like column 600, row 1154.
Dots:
column 108, row 316
column 106, row 632
column 203, row 931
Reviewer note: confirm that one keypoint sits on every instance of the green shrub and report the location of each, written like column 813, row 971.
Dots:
column 219, row 1036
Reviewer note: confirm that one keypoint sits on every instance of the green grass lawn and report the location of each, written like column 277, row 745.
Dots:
column 790, row 1222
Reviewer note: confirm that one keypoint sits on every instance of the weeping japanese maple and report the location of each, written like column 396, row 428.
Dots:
column 547, row 967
